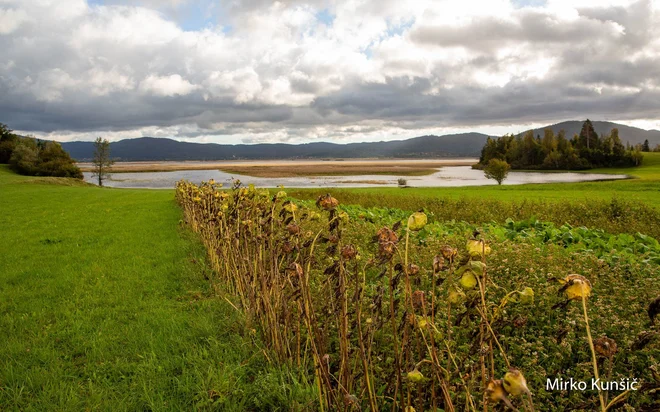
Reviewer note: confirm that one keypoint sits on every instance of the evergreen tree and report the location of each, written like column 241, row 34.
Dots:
column 645, row 146
column 588, row 137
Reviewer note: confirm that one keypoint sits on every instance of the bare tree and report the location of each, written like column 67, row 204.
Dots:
column 101, row 162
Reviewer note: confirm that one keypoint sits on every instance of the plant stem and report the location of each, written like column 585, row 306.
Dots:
column 593, row 352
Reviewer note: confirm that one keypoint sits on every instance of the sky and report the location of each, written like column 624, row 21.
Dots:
column 295, row 71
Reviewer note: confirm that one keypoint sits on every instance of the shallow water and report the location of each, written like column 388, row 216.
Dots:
column 449, row 176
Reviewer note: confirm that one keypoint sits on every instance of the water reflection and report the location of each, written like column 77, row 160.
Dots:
column 449, row 176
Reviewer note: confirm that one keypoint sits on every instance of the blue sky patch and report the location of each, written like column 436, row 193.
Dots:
column 528, row 3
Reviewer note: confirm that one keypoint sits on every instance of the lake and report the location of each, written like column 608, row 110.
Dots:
column 448, row 176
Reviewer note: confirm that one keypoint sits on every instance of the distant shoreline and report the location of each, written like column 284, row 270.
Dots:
column 302, row 167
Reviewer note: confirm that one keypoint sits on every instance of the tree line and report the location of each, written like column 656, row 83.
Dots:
column 34, row 157
column 585, row 150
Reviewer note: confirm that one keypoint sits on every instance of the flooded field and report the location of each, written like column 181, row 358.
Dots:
column 440, row 176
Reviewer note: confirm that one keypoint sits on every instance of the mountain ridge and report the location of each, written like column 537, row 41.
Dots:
column 162, row 149
column 428, row 146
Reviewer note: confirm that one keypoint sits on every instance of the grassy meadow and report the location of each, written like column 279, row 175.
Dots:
column 644, row 187
column 109, row 301
column 105, row 304
column 630, row 205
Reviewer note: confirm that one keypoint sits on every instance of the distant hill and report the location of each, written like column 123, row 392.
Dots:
column 452, row 145
column 157, row 149
column 628, row 134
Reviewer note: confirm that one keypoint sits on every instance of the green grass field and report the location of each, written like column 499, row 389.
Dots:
column 105, row 305
column 622, row 206
column 644, row 187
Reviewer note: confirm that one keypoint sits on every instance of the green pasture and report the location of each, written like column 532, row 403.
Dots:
column 643, row 186
column 106, row 303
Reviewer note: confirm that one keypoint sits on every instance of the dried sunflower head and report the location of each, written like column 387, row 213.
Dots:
column 327, row 202
column 496, row 393
column 418, row 299
column 415, row 376
column 448, row 252
column 293, row 228
column 348, row 252
column 495, row 390
column 468, row 280
column 605, row 347
column 417, row 221
column 438, row 263
column 576, row 287
column 515, row 383
column 477, row 248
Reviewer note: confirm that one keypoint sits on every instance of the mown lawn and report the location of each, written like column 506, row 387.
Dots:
column 105, row 304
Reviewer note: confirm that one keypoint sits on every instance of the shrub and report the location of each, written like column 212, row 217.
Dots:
column 47, row 159
column 25, row 157
column 7, row 143
column 497, row 169
column 54, row 161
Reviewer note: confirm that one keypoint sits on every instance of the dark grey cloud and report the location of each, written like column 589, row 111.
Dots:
column 516, row 102
column 284, row 74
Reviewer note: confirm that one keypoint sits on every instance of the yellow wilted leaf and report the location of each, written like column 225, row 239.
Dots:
column 526, row 296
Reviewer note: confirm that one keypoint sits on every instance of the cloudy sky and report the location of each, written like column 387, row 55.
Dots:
column 297, row 71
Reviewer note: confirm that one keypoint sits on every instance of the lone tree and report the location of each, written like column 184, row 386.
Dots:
column 101, row 162
column 497, row 169
column 645, row 146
